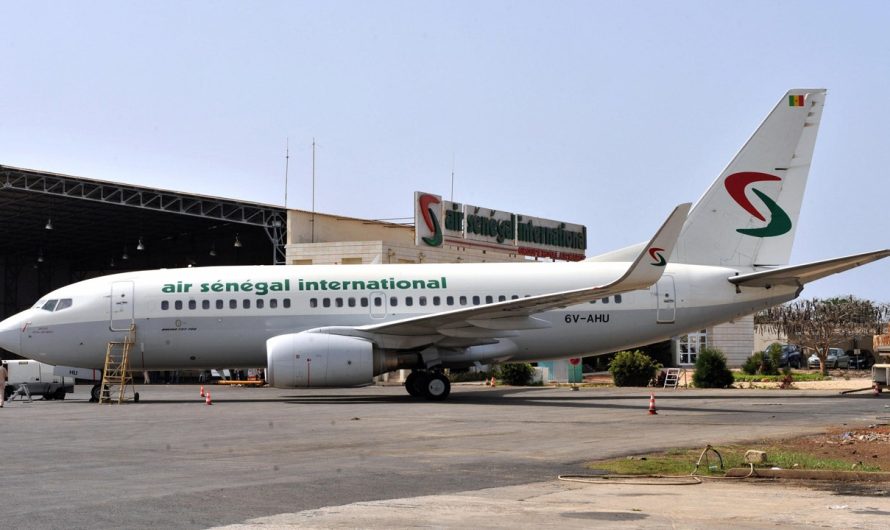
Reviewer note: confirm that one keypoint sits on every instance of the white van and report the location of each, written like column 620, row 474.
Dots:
column 40, row 379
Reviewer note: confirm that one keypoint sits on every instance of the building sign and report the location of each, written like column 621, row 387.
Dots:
column 437, row 221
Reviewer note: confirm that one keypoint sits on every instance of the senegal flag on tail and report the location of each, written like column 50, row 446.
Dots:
column 795, row 101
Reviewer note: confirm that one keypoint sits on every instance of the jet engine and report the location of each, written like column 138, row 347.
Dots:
column 300, row 360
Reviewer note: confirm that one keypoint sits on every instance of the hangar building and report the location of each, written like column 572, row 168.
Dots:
column 59, row 229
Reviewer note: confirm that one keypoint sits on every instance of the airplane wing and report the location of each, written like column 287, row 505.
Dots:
column 808, row 272
column 481, row 324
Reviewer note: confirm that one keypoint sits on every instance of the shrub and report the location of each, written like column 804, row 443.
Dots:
column 762, row 363
column 711, row 370
column 517, row 374
column 632, row 368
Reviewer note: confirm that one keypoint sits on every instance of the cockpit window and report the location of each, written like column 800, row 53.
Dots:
column 64, row 303
column 49, row 305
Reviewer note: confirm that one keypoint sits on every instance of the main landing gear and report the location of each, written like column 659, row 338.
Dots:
column 433, row 386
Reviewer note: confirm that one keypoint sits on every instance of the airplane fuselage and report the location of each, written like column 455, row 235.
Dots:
column 223, row 316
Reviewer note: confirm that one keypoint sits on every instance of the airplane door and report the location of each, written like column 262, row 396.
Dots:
column 121, row 306
column 667, row 300
column 377, row 304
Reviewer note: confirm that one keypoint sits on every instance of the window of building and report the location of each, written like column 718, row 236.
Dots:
column 351, row 261
column 689, row 345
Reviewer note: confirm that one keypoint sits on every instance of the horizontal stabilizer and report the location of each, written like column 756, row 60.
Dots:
column 801, row 274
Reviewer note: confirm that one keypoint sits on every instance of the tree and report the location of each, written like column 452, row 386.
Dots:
column 816, row 323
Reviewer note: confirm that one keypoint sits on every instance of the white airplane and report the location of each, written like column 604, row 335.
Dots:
column 322, row 326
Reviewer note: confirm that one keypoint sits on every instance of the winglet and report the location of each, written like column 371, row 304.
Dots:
column 649, row 265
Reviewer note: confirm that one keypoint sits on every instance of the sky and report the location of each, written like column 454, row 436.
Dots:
column 600, row 113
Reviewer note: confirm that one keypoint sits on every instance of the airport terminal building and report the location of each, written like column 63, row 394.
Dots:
column 59, row 229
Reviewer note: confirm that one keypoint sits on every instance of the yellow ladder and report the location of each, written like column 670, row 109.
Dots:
column 116, row 378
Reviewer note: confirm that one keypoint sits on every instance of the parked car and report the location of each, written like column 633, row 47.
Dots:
column 791, row 356
column 836, row 358
column 863, row 361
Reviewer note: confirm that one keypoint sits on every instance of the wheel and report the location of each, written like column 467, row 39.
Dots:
column 94, row 393
column 135, row 397
column 414, row 383
column 7, row 391
column 437, row 387
column 59, row 394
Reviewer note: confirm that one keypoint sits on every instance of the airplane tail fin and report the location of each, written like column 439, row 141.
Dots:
column 749, row 215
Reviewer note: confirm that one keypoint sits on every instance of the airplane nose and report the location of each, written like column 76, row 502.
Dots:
column 11, row 335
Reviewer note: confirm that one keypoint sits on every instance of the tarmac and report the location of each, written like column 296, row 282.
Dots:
column 374, row 457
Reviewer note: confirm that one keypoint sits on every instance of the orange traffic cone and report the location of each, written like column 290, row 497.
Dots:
column 202, row 390
column 493, row 384
column 207, row 399
column 652, row 404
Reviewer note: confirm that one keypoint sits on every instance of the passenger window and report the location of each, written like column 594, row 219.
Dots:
column 437, row 300
column 489, row 299
column 178, row 304
column 421, row 300
column 393, row 301
column 245, row 303
column 219, row 304
column 193, row 304
column 593, row 301
column 165, row 305
column 273, row 303
column 409, row 301
column 339, row 302
column 378, row 301
column 286, row 303
column 64, row 303
column 326, row 302
column 233, row 304
column 50, row 305
column 606, row 300
column 260, row 303
column 502, row 298
column 449, row 300
column 364, row 301
column 351, row 302
column 514, row 297
column 463, row 300
column 205, row 304
column 617, row 298
column 476, row 300
column 313, row 302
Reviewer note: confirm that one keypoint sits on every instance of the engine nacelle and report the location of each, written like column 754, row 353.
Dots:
column 300, row 360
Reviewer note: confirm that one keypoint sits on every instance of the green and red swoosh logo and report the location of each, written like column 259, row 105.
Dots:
column 657, row 258
column 779, row 222
column 431, row 220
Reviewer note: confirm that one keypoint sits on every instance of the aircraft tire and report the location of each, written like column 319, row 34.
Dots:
column 414, row 384
column 437, row 387
column 94, row 393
